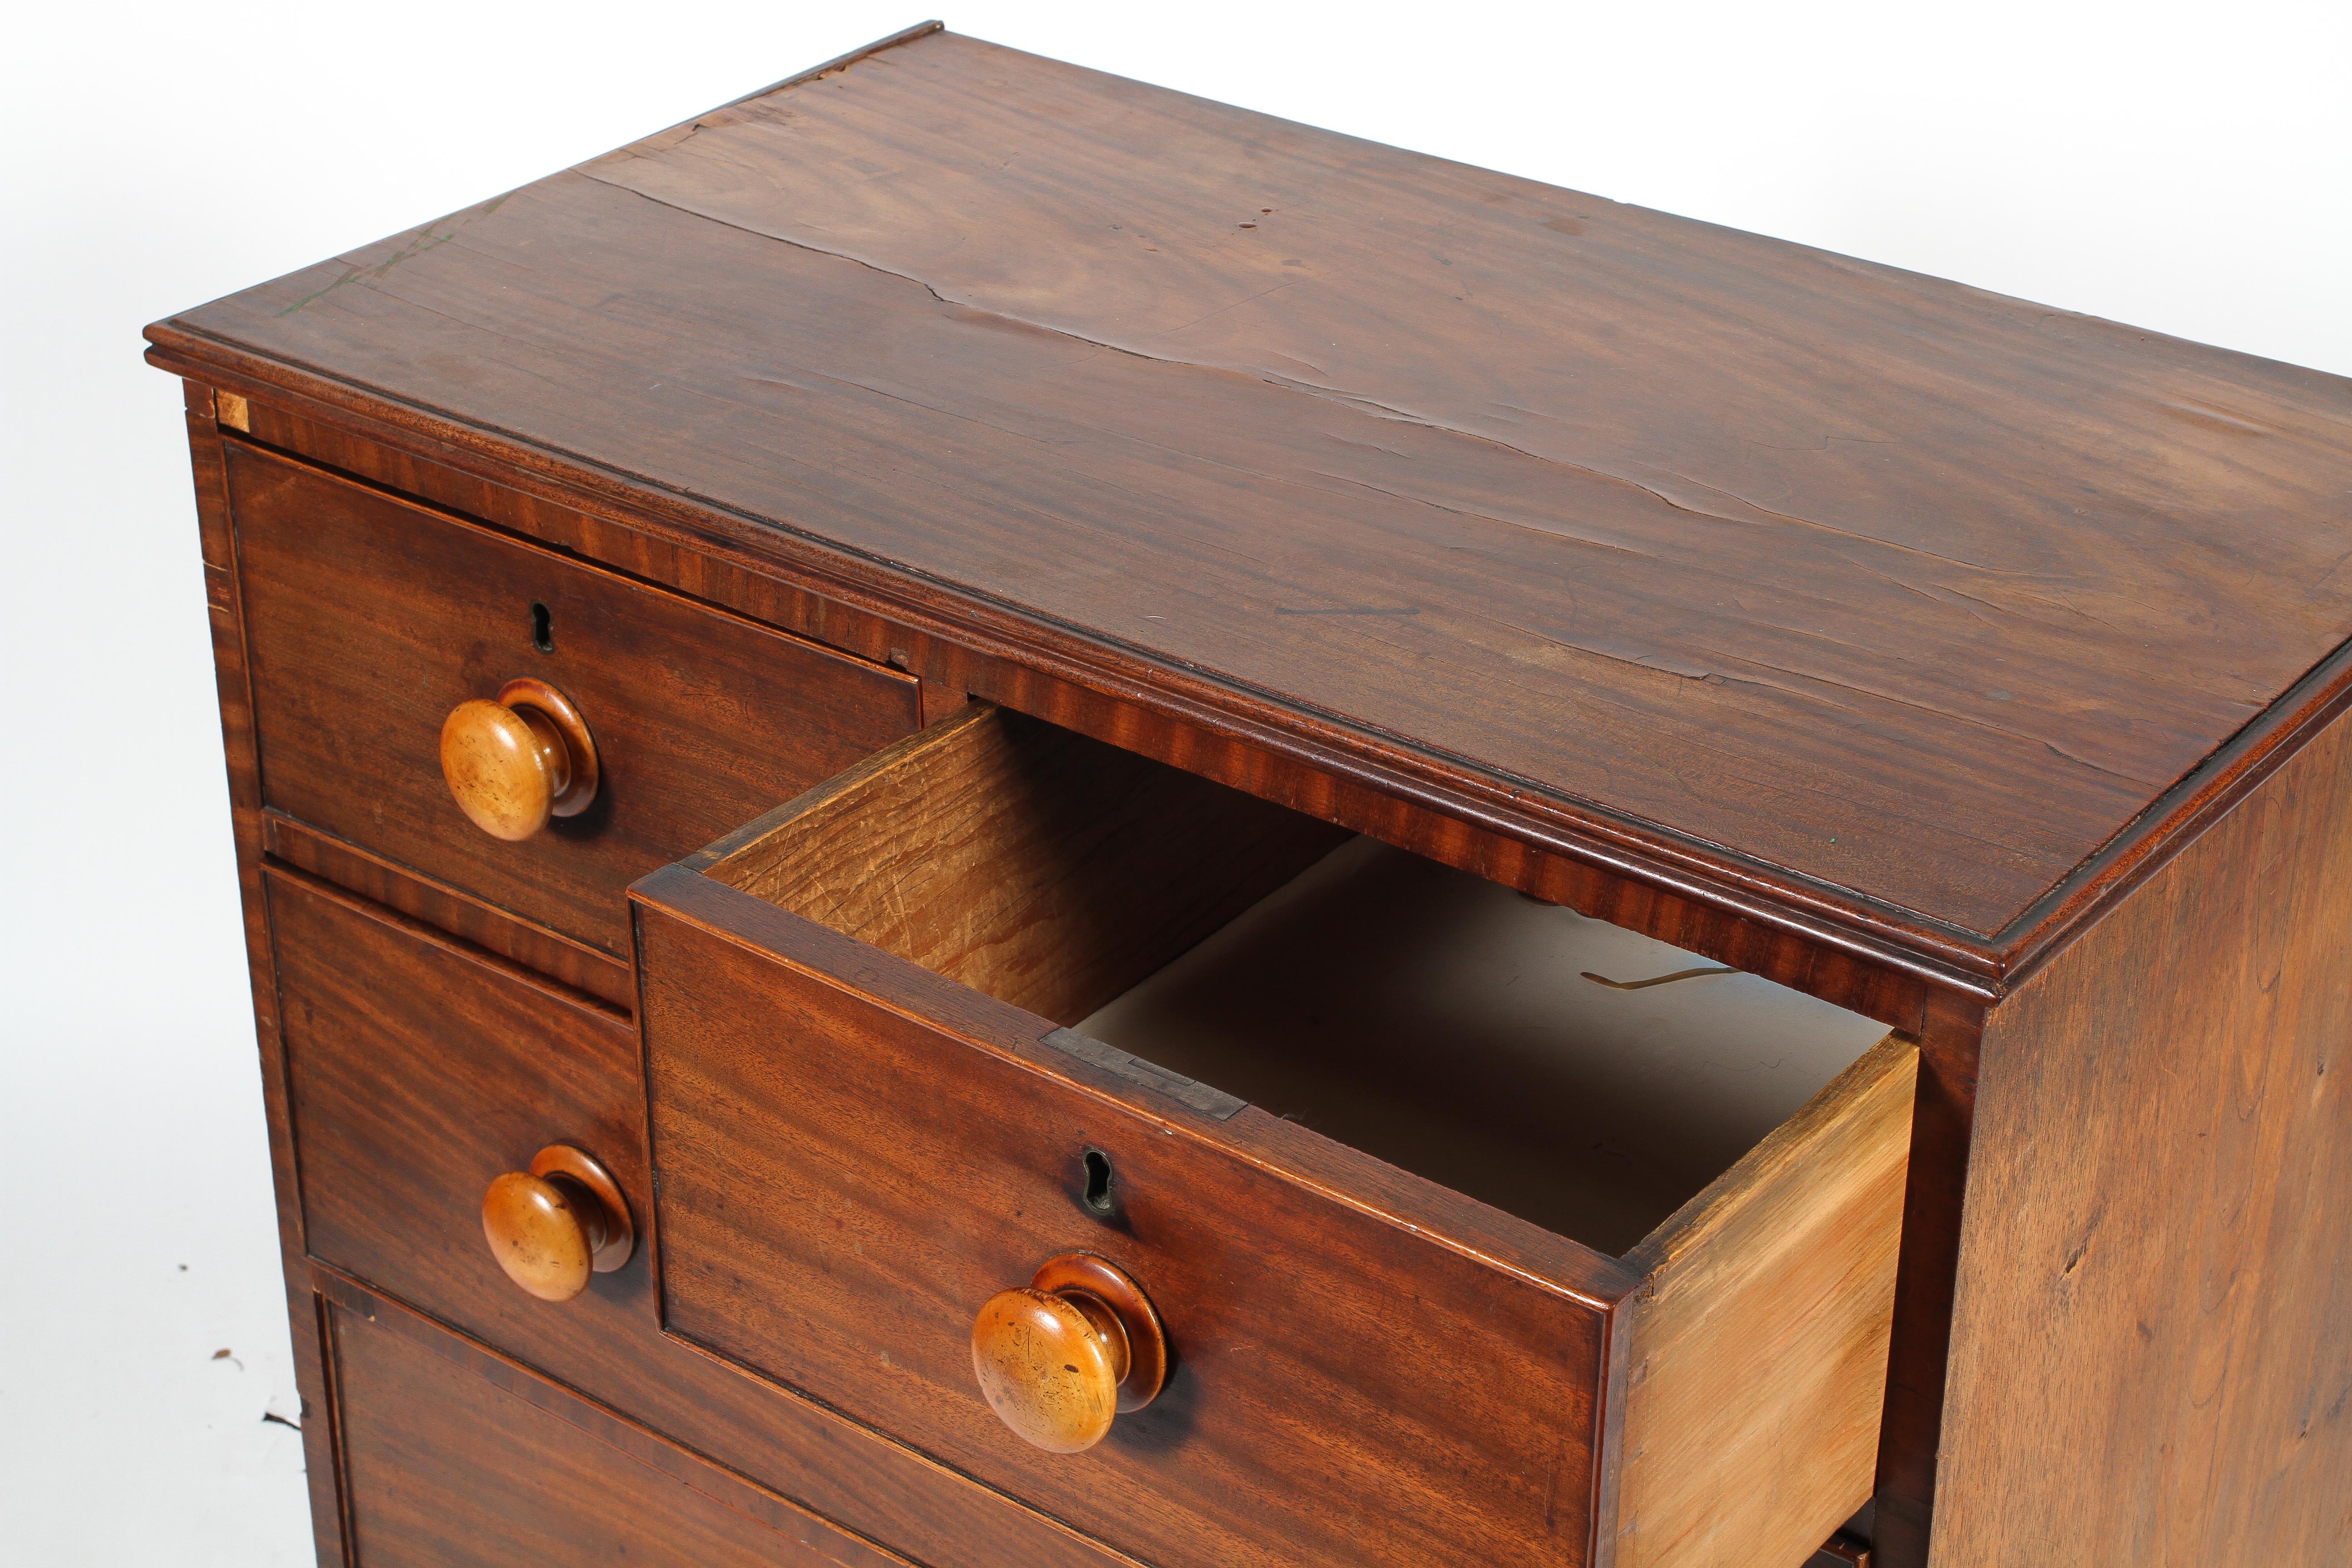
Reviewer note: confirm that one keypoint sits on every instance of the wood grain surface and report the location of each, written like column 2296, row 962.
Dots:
column 1934, row 1202
column 856, row 1155
column 2151, row 1357
column 448, row 1470
column 1802, row 935
column 549, row 953
column 1868, row 632
column 422, row 1066
column 1046, row 869
column 1908, row 589
column 232, row 673
column 1758, row 1343
column 369, row 620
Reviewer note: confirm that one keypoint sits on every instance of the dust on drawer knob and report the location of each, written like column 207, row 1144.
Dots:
column 1058, row 1357
column 515, row 759
column 553, row 1226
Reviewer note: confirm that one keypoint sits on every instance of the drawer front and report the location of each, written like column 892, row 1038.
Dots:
column 872, row 1117
column 420, row 1067
column 444, row 1468
column 368, row 620
column 856, row 1155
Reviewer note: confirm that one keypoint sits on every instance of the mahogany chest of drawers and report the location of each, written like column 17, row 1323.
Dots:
column 990, row 818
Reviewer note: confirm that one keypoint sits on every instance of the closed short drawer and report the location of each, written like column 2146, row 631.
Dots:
column 1460, row 1254
column 419, row 1068
column 369, row 619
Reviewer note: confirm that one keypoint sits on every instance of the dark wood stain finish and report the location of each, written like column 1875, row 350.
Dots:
column 1727, row 531
column 1731, row 925
column 866, row 1122
column 422, row 1066
column 2155, row 1267
column 370, row 619
column 1812, row 939
column 840, row 1174
column 1674, row 898
column 448, row 1468
column 216, row 534
column 1976, row 666
column 1910, row 1430
column 551, row 954
column 463, row 479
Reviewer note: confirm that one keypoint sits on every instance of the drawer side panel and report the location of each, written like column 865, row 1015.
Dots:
column 1757, row 1363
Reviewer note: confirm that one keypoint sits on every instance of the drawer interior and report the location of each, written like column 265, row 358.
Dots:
column 1564, row 1070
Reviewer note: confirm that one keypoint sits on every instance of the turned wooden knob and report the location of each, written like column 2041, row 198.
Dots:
column 516, row 759
column 554, row 1224
column 1061, row 1355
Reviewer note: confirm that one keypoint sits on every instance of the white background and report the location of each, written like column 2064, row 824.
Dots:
column 2187, row 169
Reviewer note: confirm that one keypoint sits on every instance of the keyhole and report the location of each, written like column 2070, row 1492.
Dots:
column 542, row 629
column 1097, row 1196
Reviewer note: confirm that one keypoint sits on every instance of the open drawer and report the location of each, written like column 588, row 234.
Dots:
column 1460, row 1254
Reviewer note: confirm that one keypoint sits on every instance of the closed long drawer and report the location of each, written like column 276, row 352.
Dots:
column 1440, row 1248
column 369, row 620
column 419, row 1069
column 451, row 1461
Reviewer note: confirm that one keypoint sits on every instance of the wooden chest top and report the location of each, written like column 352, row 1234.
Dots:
column 1834, row 577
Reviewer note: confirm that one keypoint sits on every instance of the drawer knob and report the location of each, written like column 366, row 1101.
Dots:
column 554, row 1224
column 1058, row 1357
column 515, row 759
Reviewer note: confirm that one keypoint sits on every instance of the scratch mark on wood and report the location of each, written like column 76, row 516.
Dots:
column 426, row 238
